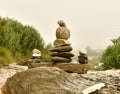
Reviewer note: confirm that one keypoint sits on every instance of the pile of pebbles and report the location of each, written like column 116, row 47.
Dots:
column 83, row 58
column 36, row 57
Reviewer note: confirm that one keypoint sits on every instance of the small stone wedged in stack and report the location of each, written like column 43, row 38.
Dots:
column 62, row 54
column 61, row 42
column 57, row 59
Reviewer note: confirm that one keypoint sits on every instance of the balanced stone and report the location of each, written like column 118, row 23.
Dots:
column 36, row 60
column 62, row 49
column 62, row 32
column 61, row 42
column 61, row 23
column 83, row 58
column 82, row 51
column 36, row 56
column 60, row 59
column 62, row 54
column 36, row 51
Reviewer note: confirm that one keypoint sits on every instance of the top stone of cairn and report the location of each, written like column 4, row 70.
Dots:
column 62, row 31
column 61, row 23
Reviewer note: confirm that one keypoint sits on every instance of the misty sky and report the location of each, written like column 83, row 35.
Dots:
column 91, row 22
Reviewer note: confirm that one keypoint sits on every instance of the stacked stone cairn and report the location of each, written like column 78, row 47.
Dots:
column 61, row 52
column 83, row 58
column 36, row 56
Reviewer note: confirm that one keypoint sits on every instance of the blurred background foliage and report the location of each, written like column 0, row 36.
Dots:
column 107, row 59
column 94, row 58
column 5, row 57
column 18, row 41
column 111, row 56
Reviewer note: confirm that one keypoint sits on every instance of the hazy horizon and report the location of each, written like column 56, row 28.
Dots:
column 91, row 22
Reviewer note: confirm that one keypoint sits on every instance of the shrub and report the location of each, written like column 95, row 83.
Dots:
column 5, row 57
column 46, row 53
column 20, row 39
column 111, row 56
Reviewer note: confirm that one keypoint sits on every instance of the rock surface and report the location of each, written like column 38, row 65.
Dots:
column 43, row 80
column 47, row 80
column 9, row 71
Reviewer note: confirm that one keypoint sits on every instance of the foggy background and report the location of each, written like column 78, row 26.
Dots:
column 91, row 22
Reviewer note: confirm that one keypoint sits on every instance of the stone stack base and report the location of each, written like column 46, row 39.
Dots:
column 68, row 67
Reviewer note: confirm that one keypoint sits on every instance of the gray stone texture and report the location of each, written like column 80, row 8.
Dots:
column 57, row 59
column 83, row 58
column 62, row 54
column 62, row 49
column 62, row 33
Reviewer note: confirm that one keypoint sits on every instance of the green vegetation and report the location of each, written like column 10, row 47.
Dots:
column 46, row 53
column 111, row 56
column 20, row 40
column 5, row 57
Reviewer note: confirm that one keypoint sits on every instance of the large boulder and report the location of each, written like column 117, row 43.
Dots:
column 44, row 80
column 51, row 80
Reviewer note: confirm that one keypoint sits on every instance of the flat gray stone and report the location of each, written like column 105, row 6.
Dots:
column 83, row 56
column 61, row 49
column 62, row 54
column 60, row 59
column 82, row 60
